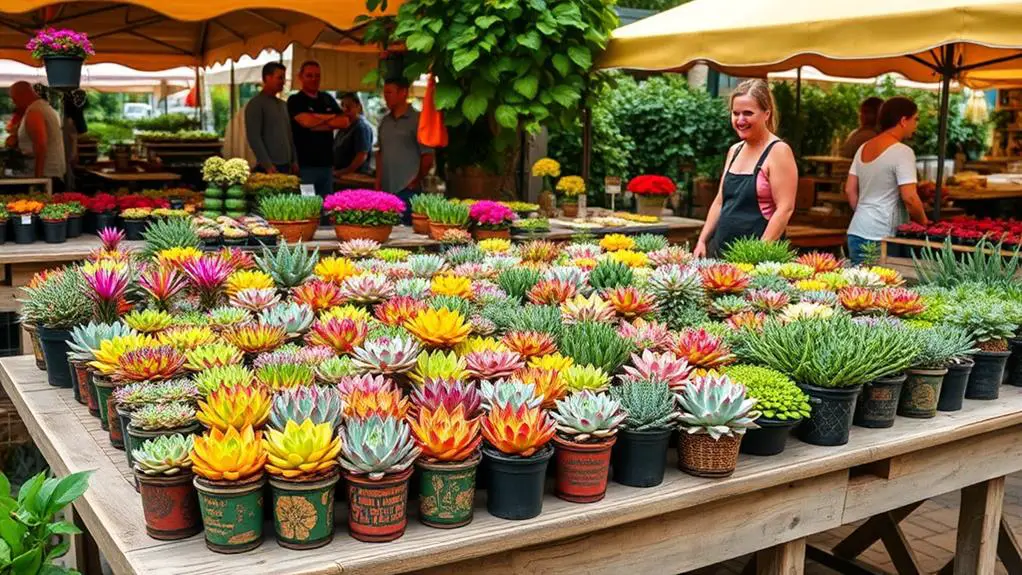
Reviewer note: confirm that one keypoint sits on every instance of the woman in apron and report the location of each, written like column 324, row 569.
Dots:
column 757, row 192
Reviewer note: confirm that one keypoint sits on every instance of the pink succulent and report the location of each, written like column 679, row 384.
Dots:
column 162, row 283
column 489, row 364
column 207, row 275
column 111, row 238
column 651, row 335
column 435, row 394
column 665, row 367
column 367, row 382
column 255, row 299
column 108, row 287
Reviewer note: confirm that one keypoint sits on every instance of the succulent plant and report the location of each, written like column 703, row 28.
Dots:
column 675, row 289
column 358, row 248
column 148, row 320
column 333, row 370
column 665, row 367
column 767, row 300
column 857, row 299
column 163, row 416
column 451, row 396
column 670, row 256
column 900, row 302
column 595, row 344
column 587, row 309
column 651, row 335
column 451, row 302
column 446, row 435
column 85, row 339
column 214, row 378
column 285, row 376
column 412, row 287
column 451, row 285
column 436, row 364
column 752, row 320
column 539, row 251
column 366, row 289
column 347, row 311
column 609, row 274
column 567, row 274
column 724, row 279
column 335, row 269
column 386, row 355
column 820, row 261
column 539, row 318
column 862, row 277
column 398, row 310
column 811, row 285
column 255, row 337
column 650, row 242
column 313, row 403
column 777, row 397
column 518, row 431
column 517, row 281
column 588, row 417
column 509, row 392
column 235, row 406
column 301, row 450
column 806, row 310
column 230, row 455
column 247, row 279
column 648, row 405
column 376, row 446
column 989, row 322
column 548, row 384
column 167, row 233
column 426, row 265
column 552, row 362
column 186, row 338
column 109, row 352
column 717, row 407
column 888, row 276
column 630, row 302
column 149, row 364
column 728, row 305
column 289, row 266
column 701, row 349
column 754, row 251
column 226, row 317
column 255, row 299
column 166, row 455
column 365, row 382
column 387, row 401
column 343, row 335
column 552, row 292
column 212, row 355
column 437, row 328
column 529, row 343
column 135, row 395
column 585, row 378
column 941, row 345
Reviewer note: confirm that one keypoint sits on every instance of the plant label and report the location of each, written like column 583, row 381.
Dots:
column 308, row 190
column 612, row 185
column 26, row 219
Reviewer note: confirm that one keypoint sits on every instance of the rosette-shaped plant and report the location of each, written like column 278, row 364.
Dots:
column 136, row 395
column 444, row 435
column 348, row 311
column 651, row 335
column 108, row 355
column 398, row 310
column 665, row 367
column 752, row 320
column 862, row 277
column 256, row 337
column 553, row 361
column 888, row 276
column 86, row 339
column 255, row 299
column 367, row 289
column 548, row 384
column 492, row 364
column 365, row 382
column 539, row 251
column 593, row 308
column 819, row 261
column 230, row 455
column 386, row 355
column 301, row 450
column 317, row 404
column 451, row 285
column 212, row 355
column 320, row 295
column 186, row 338
column 767, row 300
column 439, row 327
column 163, row 416
column 166, row 455
column 827, row 298
column 716, row 406
column 285, row 375
column 335, row 269
column 294, row 318
column 615, row 242
column 702, row 349
column 520, row 431
column 426, row 265
column 162, row 284
column 900, row 302
column 236, row 406
column 588, row 417
column 671, row 255
column 247, row 279
column 585, row 377
column 343, row 335
column 509, row 392
column 552, row 292
column 529, row 343
column 479, row 343
column 811, row 285
column 149, row 364
column 648, row 405
column 437, row 365
column 857, row 299
column 174, row 257
column 361, row 247
column 728, row 305
column 333, row 370
column 630, row 302
column 376, row 446
column 806, row 310
column 148, row 321
column 724, row 279
column 630, row 258
column 387, row 402
column 226, row 317
column 209, row 380
column 450, row 396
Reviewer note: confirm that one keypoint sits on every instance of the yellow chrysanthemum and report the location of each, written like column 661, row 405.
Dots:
column 451, row 285
column 335, row 269
column 495, row 245
column 630, row 258
column 571, row 186
column 615, row 242
column 546, row 167
column 248, row 279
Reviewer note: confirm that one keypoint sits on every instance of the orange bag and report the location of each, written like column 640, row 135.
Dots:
column 432, row 131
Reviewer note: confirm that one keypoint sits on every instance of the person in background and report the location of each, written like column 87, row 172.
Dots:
column 757, row 192
column 869, row 110
column 353, row 146
column 402, row 162
column 314, row 117
column 74, row 126
column 40, row 137
column 881, row 184
column 268, row 126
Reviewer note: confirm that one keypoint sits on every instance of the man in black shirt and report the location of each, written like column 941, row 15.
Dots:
column 353, row 147
column 314, row 117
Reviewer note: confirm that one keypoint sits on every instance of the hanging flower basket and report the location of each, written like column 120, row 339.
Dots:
column 63, row 52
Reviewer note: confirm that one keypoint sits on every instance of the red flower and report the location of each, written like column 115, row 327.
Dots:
column 68, row 197
column 101, row 203
column 651, row 185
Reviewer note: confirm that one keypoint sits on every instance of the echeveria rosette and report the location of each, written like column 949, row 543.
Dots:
column 60, row 42
column 490, row 215
column 364, row 208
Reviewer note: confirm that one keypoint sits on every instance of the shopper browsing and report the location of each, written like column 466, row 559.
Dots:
column 402, row 162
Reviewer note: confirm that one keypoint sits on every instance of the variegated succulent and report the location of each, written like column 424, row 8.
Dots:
column 366, row 382
column 767, row 300
column 587, row 417
column 377, row 446
column 492, row 364
column 85, row 339
column 702, row 349
column 163, row 417
column 294, row 318
column 643, row 334
column 593, row 308
column 509, row 392
column 213, row 355
column 386, row 355
column 648, row 405
column 716, row 406
column 316, row 403
column 135, row 395
column 166, row 455
column 451, row 396
column 665, row 367
column 367, row 289
column 335, row 369
column 255, row 299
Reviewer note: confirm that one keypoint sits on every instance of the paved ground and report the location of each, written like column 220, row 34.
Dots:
column 930, row 531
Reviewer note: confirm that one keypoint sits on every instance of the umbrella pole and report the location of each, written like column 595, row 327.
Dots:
column 798, row 93
column 945, row 99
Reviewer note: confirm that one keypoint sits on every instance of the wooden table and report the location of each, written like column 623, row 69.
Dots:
column 677, row 230
column 133, row 179
column 355, row 181
column 46, row 183
column 770, row 505
column 975, row 194
column 813, row 238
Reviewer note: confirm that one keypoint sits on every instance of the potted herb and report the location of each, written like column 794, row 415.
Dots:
column 640, row 454
column 937, row 348
column 715, row 413
column 420, row 211
column 444, row 216
column 163, row 470
column 571, row 188
column 780, row 403
column 517, row 453
column 62, row 51
column 586, row 424
column 295, row 217
column 54, row 218
column 364, row 214
column 651, row 193
column 229, row 478
column 990, row 323
column 134, row 222
column 377, row 453
column 103, row 211
column 55, row 306
column 32, row 537
column 24, row 213
column 490, row 220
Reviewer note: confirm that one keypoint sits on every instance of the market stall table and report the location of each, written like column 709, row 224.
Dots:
column 676, row 230
column 355, row 181
column 46, row 183
column 131, row 180
column 814, row 238
column 770, row 505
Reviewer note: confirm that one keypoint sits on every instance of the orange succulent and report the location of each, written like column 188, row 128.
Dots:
column 548, row 383
column 857, row 299
column 318, row 294
column 529, row 343
column 702, row 349
column 386, row 402
column 230, row 455
column 900, row 302
column 236, row 406
column 629, row 302
column 522, row 431
column 398, row 310
column 724, row 278
column 552, row 292
column 819, row 261
column 446, row 436
column 149, row 364
column 256, row 337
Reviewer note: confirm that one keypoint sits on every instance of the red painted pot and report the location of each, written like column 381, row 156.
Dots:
column 170, row 506
column 480, row 234
column 347, row 232
column 582, row 469
column 378, row 510
column 420, row 224
column 84, row 378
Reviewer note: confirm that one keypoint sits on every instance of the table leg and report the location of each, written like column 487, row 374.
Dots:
column 86, row 551
column 978, row 522
column 869, row 532
column 785, row 559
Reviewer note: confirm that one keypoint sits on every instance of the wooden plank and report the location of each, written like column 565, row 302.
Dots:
column 979, row 519
column 940, row 245
column 866, row 534
column 786, row 559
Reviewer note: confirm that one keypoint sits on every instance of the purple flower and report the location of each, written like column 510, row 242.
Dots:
column 62, row 42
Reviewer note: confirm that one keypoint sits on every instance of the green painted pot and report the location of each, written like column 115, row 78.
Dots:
column 921, row 392
column 303, row 511
column 232, row 513
column 447, row 493
column 104, row 388
column 134, row 437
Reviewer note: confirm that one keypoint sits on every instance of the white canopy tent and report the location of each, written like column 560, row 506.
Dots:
column 106, row 77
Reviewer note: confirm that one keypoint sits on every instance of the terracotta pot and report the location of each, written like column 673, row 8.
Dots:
column 582, row 469
column 113, row 423
column 170, row 505
column 570, row 210
column 347, row 232
column 650, row 205
column 420, row 224
column 437, row 231
column 447, row 492
column 80, row 375
column 37, row 346
column 292, row 232
column 89, row 393
column 303, row 511
column 481, row 234
column 232, row 513
column 700, row 455
column 377, row 510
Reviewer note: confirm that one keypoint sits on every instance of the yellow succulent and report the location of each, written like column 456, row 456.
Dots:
column 546, row 168
column 236, row 406
column 439, row 327
column 346, row 312
column 615, row 242
column 148, row 320
column 111, row 350
column 177, row 256
column 889, row 276
column 230, row 455
column 630, row 258
column 585, row 377
column 301, row 450
column 438, row 365
column 495, row 245
column 811, row 285
column 335, row 269
column 103, row 264
column 551, row 361
column 186, row 339
column 479, row 343
column 451, row 285
column 745, row 267
column 247, row 279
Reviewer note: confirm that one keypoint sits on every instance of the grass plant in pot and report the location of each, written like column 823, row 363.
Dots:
column 490, row 220
column 55, row 306
column 518, row 433
column 640, row 454
column 163, row 470
column 938, row 346
column 780, row 403
column 715, row 413
column 990, row 322
column 54, row 219
column 651, row 193
column 570, row 188
column 364, row 214
column 586, row 424
column 445, row 216
column 420, row 211
column 295, row 217
column 23, row 214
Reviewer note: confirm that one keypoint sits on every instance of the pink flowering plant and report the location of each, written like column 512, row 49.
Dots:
column 364, row 208
column 490, row 215
column 50, row 42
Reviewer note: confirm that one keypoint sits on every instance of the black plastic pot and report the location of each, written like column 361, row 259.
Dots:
column 639, row 458
column 24, row 229
column 987, row 375
column 831, row 415
column 1015, row 363
column 516, row 483
column 769, row 439
column 268, row 241
column 133, row 229
column 54, row 344
column 879, row 402
column 55, row 232
column 74, row 226
column 3, row 231
column 952, row 391
column 104, row 220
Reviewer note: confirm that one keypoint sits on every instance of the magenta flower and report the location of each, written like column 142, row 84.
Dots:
column 111, row 238
column 364, row 208
column 62, row 42
column 207, row 275
column 491, row 214
column 108, row 287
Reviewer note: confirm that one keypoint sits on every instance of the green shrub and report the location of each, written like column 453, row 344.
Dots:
column 290, row 207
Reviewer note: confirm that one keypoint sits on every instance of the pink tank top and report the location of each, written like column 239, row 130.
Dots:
column 763, row 194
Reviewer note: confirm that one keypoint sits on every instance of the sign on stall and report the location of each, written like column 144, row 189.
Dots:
column 308, row 190
column 612, row 187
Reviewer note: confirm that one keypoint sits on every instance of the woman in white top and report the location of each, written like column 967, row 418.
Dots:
column 881, row 183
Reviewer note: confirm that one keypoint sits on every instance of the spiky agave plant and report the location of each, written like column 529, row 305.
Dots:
column 289, row 266
column 169, row 233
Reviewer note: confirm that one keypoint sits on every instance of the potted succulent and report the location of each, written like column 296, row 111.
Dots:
column 55, row 306
column 235, row 173
column 570, row 188
column 651, row 193
column 952, row 390
column 715, row 413
column 229, row 478
column 85, row 340
column 4, row 215
column 134, row 222
column 160, row 419
column 938, row 346
column 62, row 51
column 302, row 463
column 54, row 218
column 990, row 323
column 640, row 454
column 24, row 214
column 105, row 364
column 490, row 220
column 235, row 236
column 163, row 470
column 295, row 217
column 517, row 452
column 318, row 404
column 377, row 453
column 264, row 236
column 237, row 406
column 446, row 428
column 134, row 396
column 364, row 214
column 447, row 215
column 780, row 403
column 420, row 204
column 586, row 424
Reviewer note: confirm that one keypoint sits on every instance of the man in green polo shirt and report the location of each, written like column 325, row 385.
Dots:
column 402, row 162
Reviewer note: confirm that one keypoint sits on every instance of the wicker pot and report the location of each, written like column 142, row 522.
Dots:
column 232, row 512
column 582, row 469
column 378, row 510
column 702, row 456
column 420, row 224
column 921, row 392
column 437, row 231
column 481, row 234
column 303, row 511
column 447, row 492
column 650, row 205
column 347, row 232
column 170, row 505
